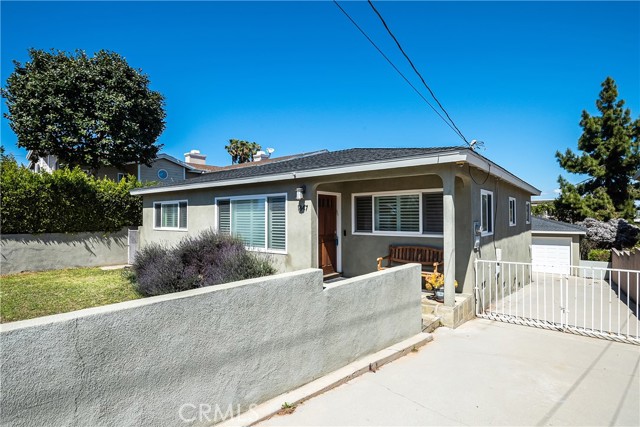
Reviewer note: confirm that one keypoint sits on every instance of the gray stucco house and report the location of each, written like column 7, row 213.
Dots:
column 164, row 168
column 340, row 210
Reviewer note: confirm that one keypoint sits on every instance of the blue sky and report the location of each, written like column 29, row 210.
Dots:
column 297, row 76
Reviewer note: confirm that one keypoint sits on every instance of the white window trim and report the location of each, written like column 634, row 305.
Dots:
column 170, row 202
column 491, row 220
column 373, row 214
column 527, row 212
column 158, row 174
column 266, row 211
column 513, row 217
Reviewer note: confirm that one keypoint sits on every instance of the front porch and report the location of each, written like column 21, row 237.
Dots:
column 359, row 215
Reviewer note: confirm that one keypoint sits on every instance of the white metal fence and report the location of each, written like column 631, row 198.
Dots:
column 587, row 301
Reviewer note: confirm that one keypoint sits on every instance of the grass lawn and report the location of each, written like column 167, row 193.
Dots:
column 29, row 295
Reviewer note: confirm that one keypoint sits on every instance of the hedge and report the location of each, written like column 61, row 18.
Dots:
column 65, row 201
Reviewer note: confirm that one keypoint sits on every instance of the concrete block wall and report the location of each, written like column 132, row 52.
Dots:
column 53, row 251
column 234, row 345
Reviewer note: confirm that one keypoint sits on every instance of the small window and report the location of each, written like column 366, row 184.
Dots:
column 120, row 177
column 170, row 215
column 527, row 212
column 512, row 211
column 486, row 212
column 163, row 174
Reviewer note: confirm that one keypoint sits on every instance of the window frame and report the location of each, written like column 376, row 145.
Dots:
column 119, row 176
column 491, row 220
column 513, row 216
column 527, row 212
column 374, row 194
column 170, row 202
column 266, row 197
column 165, row 171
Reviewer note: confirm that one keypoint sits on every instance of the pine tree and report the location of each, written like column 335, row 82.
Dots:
column 610, row 157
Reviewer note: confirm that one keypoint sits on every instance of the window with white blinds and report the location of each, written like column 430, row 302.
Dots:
column 401, row 213
column 170, row 215
column 260, row 221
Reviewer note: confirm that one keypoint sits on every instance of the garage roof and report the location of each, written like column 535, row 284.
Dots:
column 549, row 226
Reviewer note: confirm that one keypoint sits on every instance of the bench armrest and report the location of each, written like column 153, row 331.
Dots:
column 380, row 261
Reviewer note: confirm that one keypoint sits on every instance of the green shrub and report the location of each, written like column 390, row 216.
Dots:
column 65, row 201
column 599, row 255
column 205, row 260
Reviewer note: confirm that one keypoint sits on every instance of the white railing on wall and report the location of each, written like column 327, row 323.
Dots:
column 586, row 301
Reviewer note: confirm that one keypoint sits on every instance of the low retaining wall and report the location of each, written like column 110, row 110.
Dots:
column 53, row 251
column 627, row 260
column 155, row 361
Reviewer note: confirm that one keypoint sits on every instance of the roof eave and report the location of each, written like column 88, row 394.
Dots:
column 451, row 156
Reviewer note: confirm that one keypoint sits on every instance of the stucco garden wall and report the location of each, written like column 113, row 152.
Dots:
column 138, row 362
column 52, row 251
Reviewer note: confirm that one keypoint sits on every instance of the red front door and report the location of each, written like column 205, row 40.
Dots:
column 327, row 233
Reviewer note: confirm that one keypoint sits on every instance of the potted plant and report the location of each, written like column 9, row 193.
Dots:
column 435, row 282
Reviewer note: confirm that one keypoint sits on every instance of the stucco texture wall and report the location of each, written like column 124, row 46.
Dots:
column 201, row 212
column 53, row 251
column 137, row 363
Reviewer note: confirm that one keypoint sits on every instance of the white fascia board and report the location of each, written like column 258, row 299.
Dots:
column 557, row 232
column 483, row 164
column 436, row 158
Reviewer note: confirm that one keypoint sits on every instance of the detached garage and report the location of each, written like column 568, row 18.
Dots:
column 555, row 245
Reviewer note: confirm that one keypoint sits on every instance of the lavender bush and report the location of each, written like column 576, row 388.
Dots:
column 615, row 233
column 204, row 260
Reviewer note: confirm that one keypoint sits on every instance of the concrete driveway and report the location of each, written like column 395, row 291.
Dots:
column 489, row 373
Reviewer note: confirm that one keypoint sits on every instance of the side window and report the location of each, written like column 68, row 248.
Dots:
column 512, row 211
column 527, row 212
column 486, row 212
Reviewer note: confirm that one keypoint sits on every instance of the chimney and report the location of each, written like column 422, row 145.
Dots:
column 261, row 155
column 195, row 157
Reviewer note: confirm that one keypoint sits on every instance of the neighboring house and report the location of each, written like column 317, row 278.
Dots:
column 340, row 210
column 555, row 245
column 164, row 168
column 542, row 202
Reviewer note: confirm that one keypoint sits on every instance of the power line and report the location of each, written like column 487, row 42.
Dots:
column 416, row 70
column 398, row 71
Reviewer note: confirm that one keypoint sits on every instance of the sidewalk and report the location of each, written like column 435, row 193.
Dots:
column 489, row 373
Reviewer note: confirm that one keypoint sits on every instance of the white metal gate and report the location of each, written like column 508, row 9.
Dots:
column 588, row 301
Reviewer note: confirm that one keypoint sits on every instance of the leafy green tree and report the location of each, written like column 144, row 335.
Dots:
column 242, row 151
column 610, row 157
column 87, row 111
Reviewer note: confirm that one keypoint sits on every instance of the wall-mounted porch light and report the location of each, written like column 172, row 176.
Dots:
column 300, row 192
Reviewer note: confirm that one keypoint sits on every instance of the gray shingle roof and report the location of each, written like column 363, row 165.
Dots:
column 543, row 225
column 317, row 160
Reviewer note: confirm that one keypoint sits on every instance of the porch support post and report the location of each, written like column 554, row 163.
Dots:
column 449, row 243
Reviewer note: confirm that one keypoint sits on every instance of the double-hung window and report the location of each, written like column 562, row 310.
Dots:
column 512, row 211
column 170, row 215
column 259, row 221
column 527, row 212
column 486, row 212
column 411, row 212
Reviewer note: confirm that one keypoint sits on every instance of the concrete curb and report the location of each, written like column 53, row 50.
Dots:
column 369, row 363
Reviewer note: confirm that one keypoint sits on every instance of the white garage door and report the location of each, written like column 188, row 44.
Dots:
column 551, row 254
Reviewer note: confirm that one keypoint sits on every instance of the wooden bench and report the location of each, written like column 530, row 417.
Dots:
column 430, row 258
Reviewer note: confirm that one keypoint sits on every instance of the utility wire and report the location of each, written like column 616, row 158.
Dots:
column 416, row 71
column 398, row 71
